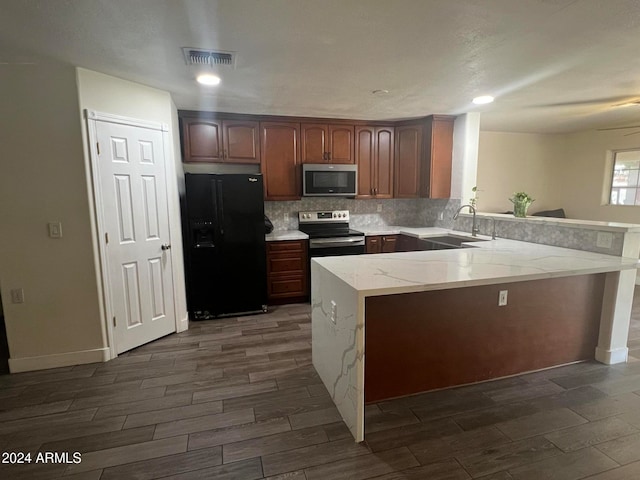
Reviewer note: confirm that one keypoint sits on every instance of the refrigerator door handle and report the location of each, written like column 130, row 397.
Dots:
column 220, row 208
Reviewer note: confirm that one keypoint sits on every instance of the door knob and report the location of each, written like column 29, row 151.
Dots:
column 166, row 246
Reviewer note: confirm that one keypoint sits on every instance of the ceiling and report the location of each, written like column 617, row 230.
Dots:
column 553, row 65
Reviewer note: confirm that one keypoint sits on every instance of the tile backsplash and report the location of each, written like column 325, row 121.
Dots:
column 419, row 212
column 547, row 234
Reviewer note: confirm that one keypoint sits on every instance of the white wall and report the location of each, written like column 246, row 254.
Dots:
column 112, row 95
column 42, row 179
column 585, row 175
column 516, row 162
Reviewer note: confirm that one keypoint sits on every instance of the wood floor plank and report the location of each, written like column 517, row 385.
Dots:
column 436, row 449
column 169, row 414
column 405, row 435
column 38, row 410
column 507, row 456
column 623, row 450
column 571, row 466
column 165, row 466
column 540, row 423
column 118, row 397
column 52, row 420
column 282, row 442
column 246, row 470
column 234, row 391
column 238, row 433
column 57, row 432
column 206, row 422
column 365, row 466
column 130, row 408
column 588, row 434
column 101, row 441
column 311, row 456
column 129, row 454
column 447, row 469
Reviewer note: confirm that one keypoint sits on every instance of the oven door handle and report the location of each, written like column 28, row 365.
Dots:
column 317, row 243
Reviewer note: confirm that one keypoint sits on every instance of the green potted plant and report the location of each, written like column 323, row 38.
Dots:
column 521, row 202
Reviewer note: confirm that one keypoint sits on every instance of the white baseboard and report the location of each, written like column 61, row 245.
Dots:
column 43, row 362
column 611, row 357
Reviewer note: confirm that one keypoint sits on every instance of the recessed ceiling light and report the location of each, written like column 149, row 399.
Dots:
column 208, row 79
column 482, row 100
column 380, row 91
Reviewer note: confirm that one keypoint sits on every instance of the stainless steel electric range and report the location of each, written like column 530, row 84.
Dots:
column 329, row 233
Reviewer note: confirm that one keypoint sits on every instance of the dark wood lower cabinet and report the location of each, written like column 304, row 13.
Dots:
column 423, row 341
column 381, row 243
column 287, row 271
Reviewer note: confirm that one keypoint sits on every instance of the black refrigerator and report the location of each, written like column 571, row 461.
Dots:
column 225, row 246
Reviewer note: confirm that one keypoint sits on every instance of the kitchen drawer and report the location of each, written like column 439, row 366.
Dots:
column 286, row 246
column 287, row 271
column 285, row 264
column 290, row 286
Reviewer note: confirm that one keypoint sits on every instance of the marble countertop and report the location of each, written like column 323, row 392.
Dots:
column 486, row 263
column 279, row 235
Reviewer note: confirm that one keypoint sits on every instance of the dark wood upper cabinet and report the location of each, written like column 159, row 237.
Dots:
column 241, row 141
column 280, row 160
column 341, row 144
column 324, row 143
column 436, row 176
column 408, row 160
column 220, row 141
column 201, row 140
column 423, row 158
column 374, row 153
column 314, row 143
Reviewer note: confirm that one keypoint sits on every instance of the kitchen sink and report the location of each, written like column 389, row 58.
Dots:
column 444, row 242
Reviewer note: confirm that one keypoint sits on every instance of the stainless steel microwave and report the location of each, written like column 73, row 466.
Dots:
column 327, row 180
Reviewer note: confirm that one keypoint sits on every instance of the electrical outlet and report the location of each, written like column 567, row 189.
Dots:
column 604, row 240
column 379, row 208
column 334, row 311
column 55, row 229
column 285, row 217
column 17, row 295
column 502, row 298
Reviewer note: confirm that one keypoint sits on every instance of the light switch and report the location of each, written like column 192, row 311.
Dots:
column 17, row 295
column 55, row 229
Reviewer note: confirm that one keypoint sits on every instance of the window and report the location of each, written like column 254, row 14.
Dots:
column 625, row 185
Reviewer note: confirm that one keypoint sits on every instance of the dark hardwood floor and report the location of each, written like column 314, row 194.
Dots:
column 239, row 399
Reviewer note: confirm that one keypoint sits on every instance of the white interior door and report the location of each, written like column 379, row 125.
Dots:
column 133, row 193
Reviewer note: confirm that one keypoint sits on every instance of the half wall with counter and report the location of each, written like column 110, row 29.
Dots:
column 395, row 324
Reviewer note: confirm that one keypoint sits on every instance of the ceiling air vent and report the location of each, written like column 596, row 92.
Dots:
column 198, row 56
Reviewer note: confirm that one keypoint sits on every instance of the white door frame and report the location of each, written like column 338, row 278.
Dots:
column 92, row 118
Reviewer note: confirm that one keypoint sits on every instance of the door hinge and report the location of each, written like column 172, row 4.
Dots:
column 98, row 147
column 114, row 321
column 106, row 237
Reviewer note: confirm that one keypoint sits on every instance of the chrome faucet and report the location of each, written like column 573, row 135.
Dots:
column 474, row 226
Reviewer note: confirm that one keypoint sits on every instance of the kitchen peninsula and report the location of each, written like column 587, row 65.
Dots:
column 396, row 324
